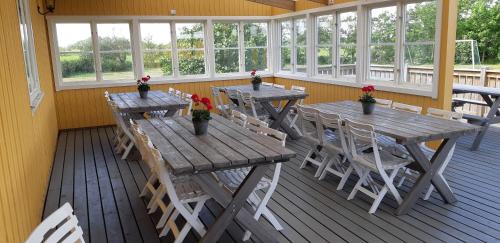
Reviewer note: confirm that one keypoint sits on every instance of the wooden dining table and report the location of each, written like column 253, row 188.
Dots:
column 491, row 98
column 225, row 146
column 132, row 103
column 410, row 130
column 266, row 96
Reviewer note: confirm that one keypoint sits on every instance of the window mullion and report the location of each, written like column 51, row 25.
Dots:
column 175, row 60
column 136, row 46
column 241, row 47
column 335, row 49
column 97, row 55
column 362, row 53
column 209, row 42
column 398, row 45
column 293, row 51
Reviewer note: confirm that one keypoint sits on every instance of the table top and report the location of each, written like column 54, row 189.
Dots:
column 268, row 93
column 226, row 145
column 156, row 100
column 405, row 127
column 463, row 88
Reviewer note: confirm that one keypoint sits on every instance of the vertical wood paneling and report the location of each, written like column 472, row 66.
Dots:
column 27, row 140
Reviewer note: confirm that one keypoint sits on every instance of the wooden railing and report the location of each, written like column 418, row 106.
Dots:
column 422, row 76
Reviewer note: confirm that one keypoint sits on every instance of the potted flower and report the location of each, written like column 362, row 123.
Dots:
column 256, row 80
column 201, row 114
column 367, row 99
column 143, row 86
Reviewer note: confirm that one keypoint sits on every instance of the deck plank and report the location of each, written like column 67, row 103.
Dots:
column 104, row 192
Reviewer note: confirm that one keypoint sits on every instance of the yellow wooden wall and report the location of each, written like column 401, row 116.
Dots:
column 27, row 141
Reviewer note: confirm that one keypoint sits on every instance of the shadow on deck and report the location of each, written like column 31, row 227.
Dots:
column 104, row 191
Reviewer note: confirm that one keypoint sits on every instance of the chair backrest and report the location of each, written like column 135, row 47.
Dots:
column 253, row 124
column 217, row 98
column 187, row 98
column 67, row 229
column 383, row 103
column 106, row 95
column 246, row 99
column 267, row 84
column 238, row 118
column 457, row 116
column 406, row 107
column 334, row 122
column 359, row 135
column 308, row 118
column 119, row 119
column 301, row 90
column 171, row 91
column 279, row 136
column 178, row 93
column 143, row 143
column 439, row 113
column 279, row 86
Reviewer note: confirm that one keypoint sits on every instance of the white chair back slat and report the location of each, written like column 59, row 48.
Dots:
column 267, row 84
column 308, row 119
column 279, row 86
column 248, row 101
column 187, row 110
column 238, row 118
column 171, row 91
column 407, row 108
column 279, row 136
column 62, row 217
column 383, row 103
column 253, row 124
column 218, row 102
column 334, row 122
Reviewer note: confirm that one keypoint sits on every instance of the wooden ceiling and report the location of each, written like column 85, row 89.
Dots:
column 285, row 4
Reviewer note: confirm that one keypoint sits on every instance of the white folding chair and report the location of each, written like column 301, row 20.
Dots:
column 279, row 86
column 405, row 107
column 253, row 124
column 171, row 91
column 335, row 144
column 232, row 179
column 380, row 162
column 439, row 113
column 182, row 194
column 293, row 116
column 238, row 118
column 60, row 226
column 383, row 103
column 267, row 84
column 223, row 109
column 126, row 142
column 186, row 111
column 249, row 107
column 312, row 134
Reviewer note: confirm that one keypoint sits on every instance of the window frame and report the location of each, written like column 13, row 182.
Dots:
column 35, row 92
column 141, row 51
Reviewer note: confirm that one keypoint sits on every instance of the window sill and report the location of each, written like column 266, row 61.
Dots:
column 35, row 102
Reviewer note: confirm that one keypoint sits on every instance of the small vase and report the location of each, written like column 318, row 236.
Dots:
column 200, row 127
column 368, row 108
column 143, row 94
column 256, row 86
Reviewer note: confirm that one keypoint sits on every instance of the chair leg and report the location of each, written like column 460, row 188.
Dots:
column 304, row 163
column 165, row 216
column 322, row 166
column 153, row 205
column 171, row 225
column 325, row 171
column 378, row 200
column 392, row 188
column 362, row 178
column 345, row 177
column 429, row 193
column 128, row 149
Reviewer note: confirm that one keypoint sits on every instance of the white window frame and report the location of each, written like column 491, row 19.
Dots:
column 332, row 45
column 140, row 51
column 241, row 59
column 339, row 45
column 244, row 48
column 204, row 49
column 31, row 68
column 290, row 46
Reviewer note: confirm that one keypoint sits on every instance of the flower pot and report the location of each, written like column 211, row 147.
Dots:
column 200, row 127
column 368, row 108
column 256, row 86
column 143, row 94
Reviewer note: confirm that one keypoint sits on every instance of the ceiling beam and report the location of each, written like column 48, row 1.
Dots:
column 286, row 4
column 325, row 2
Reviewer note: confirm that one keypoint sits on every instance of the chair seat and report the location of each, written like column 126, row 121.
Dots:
column 389, row 161
column 187, row 190
column 233, row 178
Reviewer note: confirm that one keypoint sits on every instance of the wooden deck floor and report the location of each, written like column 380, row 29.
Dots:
column 104, row 191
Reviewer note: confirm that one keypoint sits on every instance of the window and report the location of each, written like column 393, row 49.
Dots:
column 286, row 46
column 324, row 45
column 255, row 46
column 156, row 49
column 300, row 45
column 115, row 51
column 419, row 43
column 347, row 44
column 76, row 52
column 226, row 48
column 190, row 48
column 30, row 65
column 382, row 43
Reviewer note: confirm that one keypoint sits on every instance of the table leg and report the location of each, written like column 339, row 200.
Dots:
column 429, row 174
column 233, row 205
column 171, row 112
column 279, row 117
column 486, row 123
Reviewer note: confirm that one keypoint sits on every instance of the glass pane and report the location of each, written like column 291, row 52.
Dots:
column 255, row 34
column 115, row 51
column 191, row 62
column 256, row 58
column 325, row 29
column 286, row 33
column 301, row 59
column 383, row 25
column 325, row 61
column 348, row 27
column 227, row 61
column 76, row 52
column 156, row 45
column 158, row 63
column 286, row 59
column 418, row 66
column 347, row 61
column 225, row 35
column 300, row 32
column 382, row 62
column 189, row 35
column 420, row 21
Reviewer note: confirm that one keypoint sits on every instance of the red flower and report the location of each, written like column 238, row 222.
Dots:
column 205, row 100
column 145, row 79
column 209, row 107
column 253, row 72
column 195, row 98
column 371, row 88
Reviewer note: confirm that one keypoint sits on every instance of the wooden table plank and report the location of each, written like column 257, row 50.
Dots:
column 268, row 93
column 157, row 100
column 463, row 88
